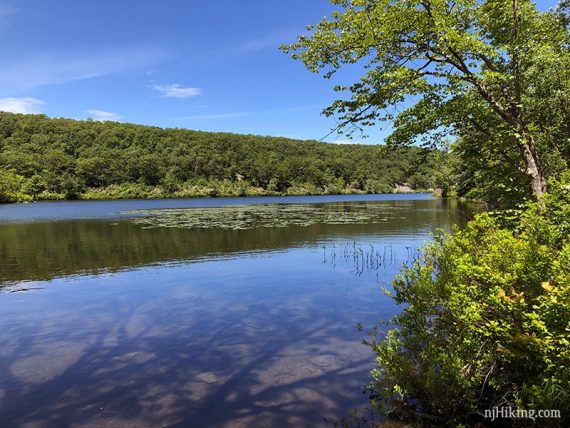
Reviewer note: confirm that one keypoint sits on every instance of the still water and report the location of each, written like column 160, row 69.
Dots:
column 199, row 313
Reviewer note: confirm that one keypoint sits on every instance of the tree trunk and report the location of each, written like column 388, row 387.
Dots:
column 528, row 148
column 533, row 167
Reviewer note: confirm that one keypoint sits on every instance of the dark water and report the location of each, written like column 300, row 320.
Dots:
column 104, row 322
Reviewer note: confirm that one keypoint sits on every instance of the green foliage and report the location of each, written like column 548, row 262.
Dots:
column 10, row 187
column 486, row 320
column 66, row 159
column 494, row 74
column 487, row 310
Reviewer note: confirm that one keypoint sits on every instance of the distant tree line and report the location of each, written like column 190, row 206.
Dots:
column 45, row 158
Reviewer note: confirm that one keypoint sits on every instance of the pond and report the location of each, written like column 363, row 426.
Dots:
column 202, row 312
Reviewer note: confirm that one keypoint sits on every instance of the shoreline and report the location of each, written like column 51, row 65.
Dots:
column 158, row 194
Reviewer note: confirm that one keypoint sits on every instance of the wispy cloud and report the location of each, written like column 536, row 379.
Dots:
column 269, row 41
column 103, row 116
column 315, row 107
column 21, row 105
column 176, row 90
column 7, row 9
column 49, row 69
column 214, row 115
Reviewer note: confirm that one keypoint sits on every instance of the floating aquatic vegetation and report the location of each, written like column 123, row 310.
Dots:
column 239, row 217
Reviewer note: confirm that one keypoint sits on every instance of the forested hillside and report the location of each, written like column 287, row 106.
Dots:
column 44, row 158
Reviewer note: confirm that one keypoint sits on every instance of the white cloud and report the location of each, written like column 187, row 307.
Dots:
column 20, row 105
column 177, row 91
column 49, row 69
column 102, row 116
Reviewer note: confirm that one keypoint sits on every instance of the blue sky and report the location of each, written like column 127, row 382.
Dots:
column 209, row 65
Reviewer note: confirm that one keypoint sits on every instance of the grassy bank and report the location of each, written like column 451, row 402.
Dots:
column 221, row 189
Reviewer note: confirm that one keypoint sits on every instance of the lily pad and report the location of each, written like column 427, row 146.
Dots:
column 238, row 217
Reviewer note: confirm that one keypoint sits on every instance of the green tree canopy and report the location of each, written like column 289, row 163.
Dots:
column 43, row 158
column 434, row 66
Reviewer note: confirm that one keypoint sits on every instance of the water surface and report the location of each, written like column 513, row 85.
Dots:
column 74, row 210
column 105, row 321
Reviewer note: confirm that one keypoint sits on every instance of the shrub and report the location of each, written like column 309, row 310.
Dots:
column 486, row 321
